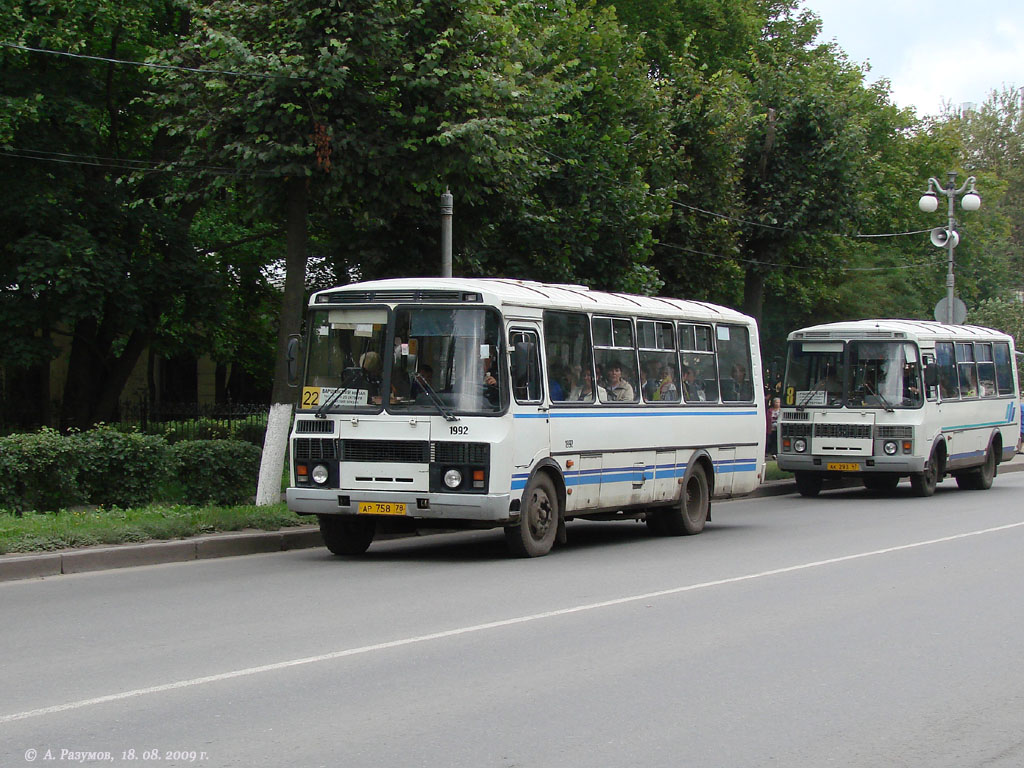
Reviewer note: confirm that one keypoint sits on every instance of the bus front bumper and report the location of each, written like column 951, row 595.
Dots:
column 903, row 465
column 479, row 508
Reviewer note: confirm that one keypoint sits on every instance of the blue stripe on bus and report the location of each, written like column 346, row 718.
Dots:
column 968, row 455
column 629, row 414
column 979, row 426
column 577, row 477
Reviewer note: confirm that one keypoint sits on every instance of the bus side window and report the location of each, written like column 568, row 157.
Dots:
column 1004, row 368
column 986, row 370
column 525, row 366
column 949, row 388
column 931, row 377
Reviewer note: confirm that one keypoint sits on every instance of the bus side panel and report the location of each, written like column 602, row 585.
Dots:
column 666, row 484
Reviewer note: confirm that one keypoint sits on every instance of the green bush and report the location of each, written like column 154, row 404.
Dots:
column 251, row 433
column 121, row 469
column 12, row 473
column 217, row 471
column 200, row 429
column 39, row 471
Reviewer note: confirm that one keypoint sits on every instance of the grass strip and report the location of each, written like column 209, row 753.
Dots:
column 81, row 527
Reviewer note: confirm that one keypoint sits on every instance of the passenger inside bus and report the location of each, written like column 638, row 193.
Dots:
column 618, row 388
column 584, row 391
column 667, row 389
column 693, row 391
column 370, row 365
column 417, row 390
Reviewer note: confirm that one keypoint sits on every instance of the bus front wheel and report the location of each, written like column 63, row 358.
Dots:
column 924, row 482
column 538, row 520
column 347, row 535
column 808, row 483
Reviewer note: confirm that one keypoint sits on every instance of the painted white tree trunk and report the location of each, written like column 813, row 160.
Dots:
column 275, row 446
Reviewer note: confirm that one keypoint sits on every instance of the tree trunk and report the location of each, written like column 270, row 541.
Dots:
column 275, row 443
column 753, row 292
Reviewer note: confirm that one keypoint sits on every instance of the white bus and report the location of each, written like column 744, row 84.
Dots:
column 886, row 399
column 478, row 403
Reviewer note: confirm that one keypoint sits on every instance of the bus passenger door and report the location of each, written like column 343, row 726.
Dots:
column 530, row 439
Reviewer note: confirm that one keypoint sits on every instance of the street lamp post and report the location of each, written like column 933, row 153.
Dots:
column 949, row 238
column 447, row 207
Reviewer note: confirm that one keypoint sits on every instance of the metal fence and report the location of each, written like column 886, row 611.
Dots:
column 175, row 421
column 195, row 421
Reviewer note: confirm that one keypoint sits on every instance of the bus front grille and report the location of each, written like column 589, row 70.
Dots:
column 390, row 451
column 844, row 431
column 796, row 430
column 894, row 433
column 461, row 453
column 315, row 448
column 314, row 427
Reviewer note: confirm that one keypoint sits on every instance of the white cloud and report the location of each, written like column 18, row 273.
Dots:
column 940, row 51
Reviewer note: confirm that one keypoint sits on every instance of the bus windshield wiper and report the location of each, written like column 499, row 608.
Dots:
column 346, row 385
column 880, row 396
column 435, row 398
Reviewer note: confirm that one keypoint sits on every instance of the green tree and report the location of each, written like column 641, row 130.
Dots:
column 91, row 254
column 359, row 116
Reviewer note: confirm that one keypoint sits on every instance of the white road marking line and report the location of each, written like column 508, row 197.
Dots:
column 249, row 671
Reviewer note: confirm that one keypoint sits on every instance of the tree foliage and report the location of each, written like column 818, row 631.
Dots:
column 700, row 149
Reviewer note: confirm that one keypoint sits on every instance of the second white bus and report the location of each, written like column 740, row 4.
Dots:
column 435, row 402
column 886, row 399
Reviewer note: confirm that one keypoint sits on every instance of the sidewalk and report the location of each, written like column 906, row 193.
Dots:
column 37, row 565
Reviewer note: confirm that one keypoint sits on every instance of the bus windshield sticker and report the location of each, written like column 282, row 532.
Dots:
column 811, row 397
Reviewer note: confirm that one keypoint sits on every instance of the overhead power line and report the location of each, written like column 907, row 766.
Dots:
column 153, row 65
column 744, row 221
column 784, row 229
column 127, row 164
column 674, row 247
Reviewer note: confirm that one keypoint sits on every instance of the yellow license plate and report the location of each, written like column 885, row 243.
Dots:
column 842, row 466
column 381, row 508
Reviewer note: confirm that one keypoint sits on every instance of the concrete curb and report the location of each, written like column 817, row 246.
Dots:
column 34, row 566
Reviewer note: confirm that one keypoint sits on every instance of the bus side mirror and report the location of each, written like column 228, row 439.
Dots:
column 292, row 359
column 931, row 375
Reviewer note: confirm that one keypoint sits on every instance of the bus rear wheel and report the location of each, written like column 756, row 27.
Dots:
column 347, row 535
column 979, row 479
column 538, row 520
column 691, row 515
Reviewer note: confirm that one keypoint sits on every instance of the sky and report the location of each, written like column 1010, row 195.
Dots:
column 931, row 51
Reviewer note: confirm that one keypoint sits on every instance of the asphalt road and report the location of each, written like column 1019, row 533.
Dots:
column 848, row 630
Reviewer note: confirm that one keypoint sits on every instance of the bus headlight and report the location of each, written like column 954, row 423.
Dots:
column 453, row 478
column 890, row 447
column 799, row 445
column 319, row 474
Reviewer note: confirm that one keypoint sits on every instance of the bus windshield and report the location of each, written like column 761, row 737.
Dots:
column 442, row 360
column 855, row 374
column 344, row 368
column 447, row 355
